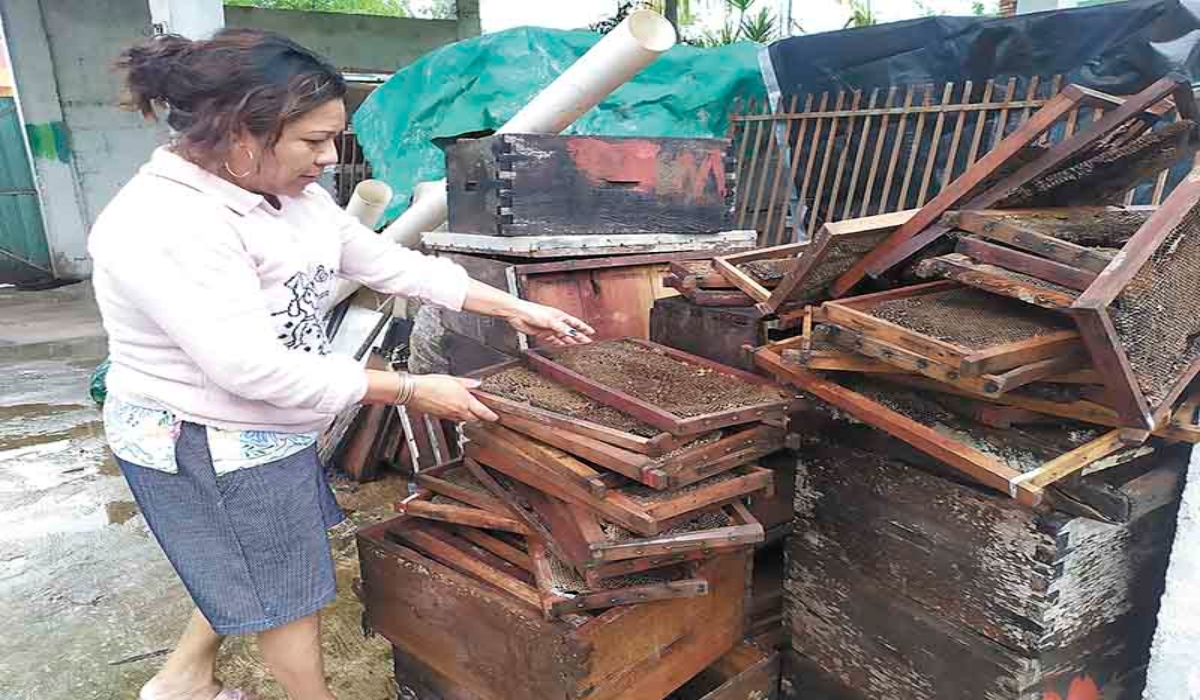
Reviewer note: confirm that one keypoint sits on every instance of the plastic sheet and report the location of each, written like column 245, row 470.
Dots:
column 1118, row 48
column 477, row 85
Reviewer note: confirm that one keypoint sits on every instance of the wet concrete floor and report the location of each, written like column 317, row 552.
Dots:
column 89, row 606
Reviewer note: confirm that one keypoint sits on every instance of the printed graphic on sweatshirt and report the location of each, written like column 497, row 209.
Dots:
column 301, row 327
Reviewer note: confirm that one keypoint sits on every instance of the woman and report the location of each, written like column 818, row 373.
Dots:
column 212, row 270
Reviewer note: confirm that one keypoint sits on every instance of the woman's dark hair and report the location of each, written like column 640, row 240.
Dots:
column 240, row 79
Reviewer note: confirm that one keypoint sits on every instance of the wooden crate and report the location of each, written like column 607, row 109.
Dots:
column 614, row 294
column 718, row 334
column 540, row 184
column 465, row 640
column 907, row 585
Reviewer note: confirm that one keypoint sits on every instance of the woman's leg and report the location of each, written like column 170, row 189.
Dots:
column 190, row 671
column 293, row 653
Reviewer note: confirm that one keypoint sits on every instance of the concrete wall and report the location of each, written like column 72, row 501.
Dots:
column 352, row 42
column 86, row 147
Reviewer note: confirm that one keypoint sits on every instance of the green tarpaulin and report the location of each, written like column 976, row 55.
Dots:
column 478, row 84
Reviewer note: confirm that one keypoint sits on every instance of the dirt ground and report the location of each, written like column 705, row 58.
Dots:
column 88, row 603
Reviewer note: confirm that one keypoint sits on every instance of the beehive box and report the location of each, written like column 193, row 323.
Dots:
column 537, row 185
column 466, row 640
column 905, row 583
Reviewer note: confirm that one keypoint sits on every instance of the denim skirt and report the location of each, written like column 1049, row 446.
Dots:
column 250, row 545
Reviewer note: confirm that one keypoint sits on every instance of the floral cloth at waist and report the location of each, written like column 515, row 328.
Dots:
column 146, row 437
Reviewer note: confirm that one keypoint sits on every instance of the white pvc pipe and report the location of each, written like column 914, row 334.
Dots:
column 428, row 211
column 369, row 200
column 634, row 44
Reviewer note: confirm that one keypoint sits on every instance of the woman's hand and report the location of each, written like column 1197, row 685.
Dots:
column 448, row 397
column 548, row 324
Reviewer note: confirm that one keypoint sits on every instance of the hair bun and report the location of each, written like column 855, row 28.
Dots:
column 155, row 70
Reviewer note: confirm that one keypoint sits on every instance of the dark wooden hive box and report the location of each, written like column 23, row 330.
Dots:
column 905, row 583
column 537, row 184
column 458, row 638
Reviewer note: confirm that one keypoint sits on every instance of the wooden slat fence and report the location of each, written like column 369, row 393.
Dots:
column 830, row 157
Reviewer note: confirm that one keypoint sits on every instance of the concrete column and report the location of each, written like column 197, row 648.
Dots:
column 468, row 19
column 195, row 19
column 49, row 139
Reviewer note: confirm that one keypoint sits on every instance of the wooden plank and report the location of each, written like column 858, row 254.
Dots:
column 863, row 139
column 894, row 158
column 1075, row 460
column 918, row 135
column 952, row 156
column 984, row 384
column 835, row 185
column 752, row 290
column 780, row 167
column 744, row 531
column 673, row 507
column 583, row 244
column 493, row 448
column 829, row 143
column 455, row 558
column 1023, row 352
column 747, row 672
column 1002, row 117
column 966, row 459
column 996, row 280
column 797, row 149
column 830, row 235
column 980, row 123
column 934, row 144
column 419, row 505
column 993, row 226
column 768, row 158
column 556, row 605
column 496, row 546
column 1032, row 265
column 630, row 464
column 755, row 145
column 801, row 197
column 875, row 156
column 435, row 480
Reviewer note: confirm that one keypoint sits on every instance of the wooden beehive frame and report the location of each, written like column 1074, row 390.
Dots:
column 924, row 227
column 997, row 225
column 576, row 536
column 683, row 466
column 855, row 314
column 511, row 454
column 685, row 584
column 1027, row 488
column 421, row 505
column 1092, row 315
column 702, row 296
column 808, row 257
column 773, row 410
column 995, row 280
column 463, row 556
column 986, row 384
column 699, row 273
column 654, row 446
column 1025, row 263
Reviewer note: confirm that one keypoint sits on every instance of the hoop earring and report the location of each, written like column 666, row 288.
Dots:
column 239, row 176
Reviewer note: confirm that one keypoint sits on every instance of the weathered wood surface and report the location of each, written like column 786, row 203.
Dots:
column 910, row 586
column 487, row 645
column 716, row 333
column 745, row 673
column 538, row 247
column 538, row 184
